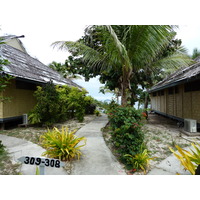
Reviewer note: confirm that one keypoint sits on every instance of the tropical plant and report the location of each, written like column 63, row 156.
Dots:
column 97, row 113
column 63, row 145
column 46, row 111
column 139, row 161
column 59, row 103
column 195, row 53
column 37, row 171
column 1, row 147
column 189, row 159
column 62, row 69
column 125, row 49
column 126, row 133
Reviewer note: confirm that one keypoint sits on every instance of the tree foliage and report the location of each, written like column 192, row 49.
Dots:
column 59, row 103
column 195, row 53
column 62, row 69
column 125, row 55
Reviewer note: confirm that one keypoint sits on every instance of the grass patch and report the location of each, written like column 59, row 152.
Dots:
column 6, row 166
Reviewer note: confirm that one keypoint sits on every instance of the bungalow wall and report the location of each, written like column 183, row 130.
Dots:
column 1, row 110
column 177, row 101
column 22, row 100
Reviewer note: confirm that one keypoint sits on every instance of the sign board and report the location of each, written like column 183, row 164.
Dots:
column 41, row 162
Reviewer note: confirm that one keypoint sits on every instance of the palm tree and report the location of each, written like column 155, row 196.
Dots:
column 128, row 48
column 61, row 68
column 195, row 53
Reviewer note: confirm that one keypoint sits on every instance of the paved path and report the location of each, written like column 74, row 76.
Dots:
column 19, row 147
column 97, row 159
column 170, row 166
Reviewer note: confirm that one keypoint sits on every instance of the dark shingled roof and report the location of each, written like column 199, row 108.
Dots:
column 22, row 65
column 180, row 76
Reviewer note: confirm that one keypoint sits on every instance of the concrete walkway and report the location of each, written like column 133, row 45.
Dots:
column 97, row 159
column 19, row 147
column 169, row 166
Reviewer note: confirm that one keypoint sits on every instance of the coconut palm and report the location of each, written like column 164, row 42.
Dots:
column 61, row 68
column 195, row 53
column 128, row 48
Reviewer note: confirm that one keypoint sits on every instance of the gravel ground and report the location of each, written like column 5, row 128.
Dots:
column 160, row 134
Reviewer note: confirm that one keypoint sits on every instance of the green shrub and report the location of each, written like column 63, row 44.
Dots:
column 46, row 110
column 76, row 103
column 62, row 144
column 97, row 113
column 126, row 135
column 2, row 150
column 139, row 161
column 58, row 103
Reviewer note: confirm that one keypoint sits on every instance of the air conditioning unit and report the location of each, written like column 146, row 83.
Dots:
column 190, row 125
column 25, row 118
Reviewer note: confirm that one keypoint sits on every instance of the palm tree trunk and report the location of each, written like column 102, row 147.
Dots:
column 125, row 85
column 146, row 100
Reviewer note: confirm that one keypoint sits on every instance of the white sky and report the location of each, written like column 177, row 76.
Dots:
column 44, row 22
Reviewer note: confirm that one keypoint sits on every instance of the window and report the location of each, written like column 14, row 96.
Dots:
column 154, row 94
column 176, row 90
column 170, row 90
column 25, row 85
column 192, row 86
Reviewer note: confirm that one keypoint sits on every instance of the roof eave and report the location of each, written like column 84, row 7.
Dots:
column 175, row 83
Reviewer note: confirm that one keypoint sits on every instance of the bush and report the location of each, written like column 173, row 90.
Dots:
column 126, row 136
column 2, row 150
column 58, row 103
column 46, row 110
column 61, row 145
column 139, row 161
column 97, row 113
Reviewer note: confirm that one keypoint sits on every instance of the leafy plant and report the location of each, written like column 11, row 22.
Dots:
column 139, row 161
column 190, row 160
column 2, row 150
column 59, row 103
column 62, row 144
column 37, row 171
column 97, row 112
column 126, row 135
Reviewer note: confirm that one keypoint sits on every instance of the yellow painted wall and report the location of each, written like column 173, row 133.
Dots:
column 22, row 101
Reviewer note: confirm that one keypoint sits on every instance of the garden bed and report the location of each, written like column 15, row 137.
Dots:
column 160, row 133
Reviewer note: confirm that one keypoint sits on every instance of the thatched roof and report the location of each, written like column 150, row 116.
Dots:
column 181, row 76
column 23, row 66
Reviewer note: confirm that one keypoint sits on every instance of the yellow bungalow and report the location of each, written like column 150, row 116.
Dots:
column 28, row 73
column 178, row 95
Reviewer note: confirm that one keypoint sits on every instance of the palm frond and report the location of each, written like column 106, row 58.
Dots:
column 146, row 43
column 92, row 58
column 173, row 62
